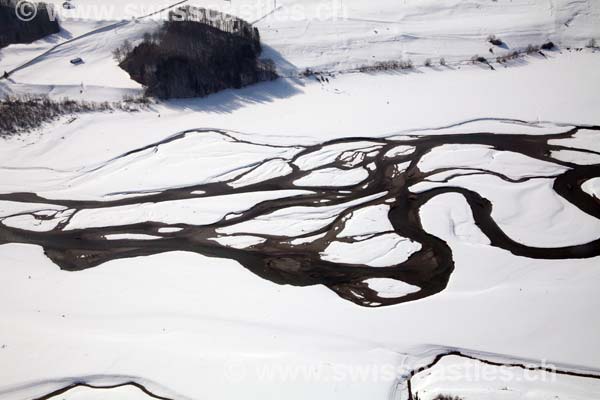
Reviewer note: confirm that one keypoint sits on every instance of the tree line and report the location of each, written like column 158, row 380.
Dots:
column 16, row 30
column 196, row 52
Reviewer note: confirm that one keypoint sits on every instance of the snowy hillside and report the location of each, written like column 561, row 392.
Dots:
column 324, row 35
column 344, row 235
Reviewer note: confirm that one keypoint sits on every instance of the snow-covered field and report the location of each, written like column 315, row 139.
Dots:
column 325, row 35
column 372, row 235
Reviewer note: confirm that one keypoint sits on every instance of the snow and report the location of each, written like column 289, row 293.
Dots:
column 418, row 29
column 402, row 167
column 472, row 380
column 367, row 221
column 288, row 107
column 401, row 150
column 326, row 35
column 529, row 212
column 307, row 239
column 8, row 208
column 23, row 215
column 584, row 139
column 592, row 187
column 259, row 323
column 449, row 217
column 270, row 169
column 312, row 110
column 495, row 125
column 169, row 230
column 148, row 169
column 391, row 288
column 131, row 236
column 31, row 223
column 576, row 157
column 295, row 221
column 333, row 177
column 255, row 320
column 380, row 251
column 197, row 211
column 510, row 164
column 240, row 241
column 332, row 152
column 18, row 54
column 215, row 324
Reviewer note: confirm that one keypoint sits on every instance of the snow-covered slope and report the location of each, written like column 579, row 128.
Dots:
column 324, row 35
column 225, row 247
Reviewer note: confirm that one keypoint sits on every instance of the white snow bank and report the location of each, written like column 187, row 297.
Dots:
column 131, row 236
column 14, row 207
column 508, row 163
column 295, row 221
column 333, row 177
column 584, row 139
column 576, row 157
column 401, row 150
column 380, row 251
column 390, row 288
column 529, row 212
column 350, row 152
column 196, row 211
column 490, row 125
column 195, row 158
column 46, row 221
column 239, row 241
column 169, row 230
column 367, row 221
column 592, row 187
column 267, row 170
column 449, row 217
column 474, row 380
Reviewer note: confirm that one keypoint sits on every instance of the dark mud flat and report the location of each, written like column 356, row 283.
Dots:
column 279, row 261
